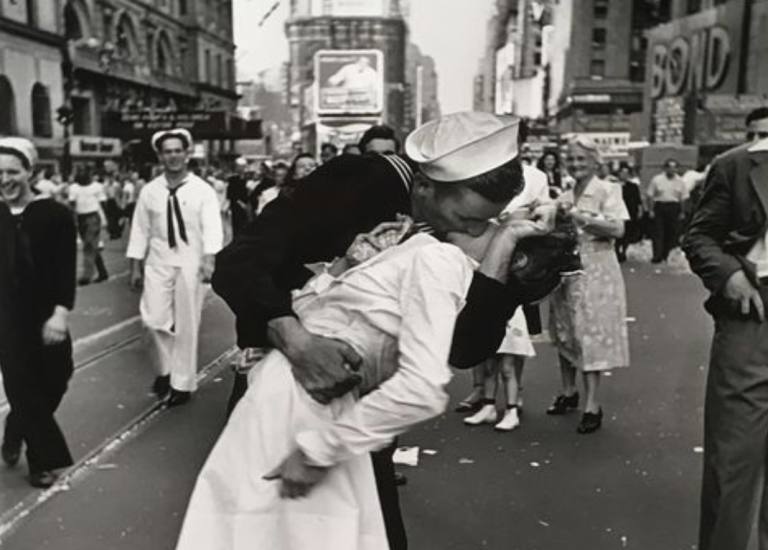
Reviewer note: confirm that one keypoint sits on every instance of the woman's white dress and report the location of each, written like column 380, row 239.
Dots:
column 397, row 311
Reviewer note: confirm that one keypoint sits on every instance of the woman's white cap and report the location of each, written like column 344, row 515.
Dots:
column 180, row 133
column 22, row 146
column 463, row 145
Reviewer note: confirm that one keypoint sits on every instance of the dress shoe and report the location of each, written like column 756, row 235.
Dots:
column 101, row 278
column 486, row 415
column 11, row 453
column 400, row 479
column 178, row 398
column 162, row 385
column 42, row 480
column 590, row 422
column 510, row 421
column 563, row 404
column 468, row 406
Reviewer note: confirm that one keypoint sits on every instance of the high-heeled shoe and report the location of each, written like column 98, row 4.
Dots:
column 486, row 415
column 563, row 404
column 11, row 452
column 590, row 422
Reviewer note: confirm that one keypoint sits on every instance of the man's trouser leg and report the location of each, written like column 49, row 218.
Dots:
column 384, row 470
column 158, row 314
column 735, row 433
column 189, row 294
column 671, row 227
column 657, row 237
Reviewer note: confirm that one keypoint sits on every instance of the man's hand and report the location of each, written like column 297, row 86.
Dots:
column 297, row 477
column 738, row 289
column 136, row 279
column 55, row 328
column 545, row 215
column 207, row 267
column 324, row 367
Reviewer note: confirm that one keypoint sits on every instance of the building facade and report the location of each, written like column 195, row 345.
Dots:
column 719, row 73
column 31, row 85
column 341, row 33
column 421, row 98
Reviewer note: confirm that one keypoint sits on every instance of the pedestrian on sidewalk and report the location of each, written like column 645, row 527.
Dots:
column 38, row 263
column 175, row 234
column 666, row 195
column 588, row 313
column 87, row 198
column 726, row 247
column 396, row 312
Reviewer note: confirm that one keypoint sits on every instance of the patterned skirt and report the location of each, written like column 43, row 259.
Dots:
column 588, row 312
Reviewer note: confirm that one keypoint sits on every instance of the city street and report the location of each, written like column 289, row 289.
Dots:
column 543, row 487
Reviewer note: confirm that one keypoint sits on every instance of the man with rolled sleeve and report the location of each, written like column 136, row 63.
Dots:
column 176, row 232
column 727, row 247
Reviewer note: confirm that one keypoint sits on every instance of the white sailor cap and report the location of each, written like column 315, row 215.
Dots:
column 22, row 148
column 180, row 133
column 463, row 145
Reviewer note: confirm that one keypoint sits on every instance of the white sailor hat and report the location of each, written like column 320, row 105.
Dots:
column 180, row 133
column 22, row 148
column 463, row 145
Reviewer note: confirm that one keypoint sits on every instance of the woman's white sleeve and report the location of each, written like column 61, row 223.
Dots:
column 431, row 296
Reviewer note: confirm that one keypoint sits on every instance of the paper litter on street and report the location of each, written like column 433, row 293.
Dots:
column 407, row 456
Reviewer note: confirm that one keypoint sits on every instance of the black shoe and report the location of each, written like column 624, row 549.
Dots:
column 102, row 278
column 43, row 480
column 400, row 479
column 162, row 386
column 83, row 282
column 563, row 404
column 178, row 398
column 468, row 406
column 11, row 453
column 590, row 422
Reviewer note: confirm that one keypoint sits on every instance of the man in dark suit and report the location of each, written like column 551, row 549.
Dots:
column 726, row 247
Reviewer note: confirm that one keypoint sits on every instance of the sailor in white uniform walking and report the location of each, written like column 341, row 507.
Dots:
column 175, row 234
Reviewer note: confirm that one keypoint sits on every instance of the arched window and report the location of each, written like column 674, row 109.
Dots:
column 163, row 55
column 125, row 39
column 7, row 107
column 41, row 111
column 76, row 20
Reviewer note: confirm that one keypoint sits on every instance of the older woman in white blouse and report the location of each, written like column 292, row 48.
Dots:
column 588, row 313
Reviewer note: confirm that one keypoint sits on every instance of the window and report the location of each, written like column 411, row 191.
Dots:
column 636, row 71
column 126, row 39
column 7, row 108
column 597, row 69
column 81, row 116
column 41, row 111
column 182, row 7
column 73, row 29
column 208, row 76
column 600, row 9
column 694, row 6
column 598, row 39
column 220, row 71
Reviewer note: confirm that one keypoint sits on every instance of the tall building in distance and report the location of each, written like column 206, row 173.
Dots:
column 596, row 63
column 347, row 68
column 422, row 103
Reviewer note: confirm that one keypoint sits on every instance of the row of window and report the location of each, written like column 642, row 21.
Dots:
column 40, row 102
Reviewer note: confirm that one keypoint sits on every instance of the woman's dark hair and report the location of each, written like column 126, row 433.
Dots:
column 557, row 177
column 290, row 177
column 501, row 184
column 378, row 131
column 15, row 153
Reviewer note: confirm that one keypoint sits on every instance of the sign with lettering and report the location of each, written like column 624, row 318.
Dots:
column 700, row 52
column 349, row 82
column 95, row 147
column 202, row 124
column 17, row 10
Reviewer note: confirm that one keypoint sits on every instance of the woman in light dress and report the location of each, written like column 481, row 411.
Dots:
column 588, row 313
column 398, row 311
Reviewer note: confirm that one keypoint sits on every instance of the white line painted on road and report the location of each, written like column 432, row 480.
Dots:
column 80, row 343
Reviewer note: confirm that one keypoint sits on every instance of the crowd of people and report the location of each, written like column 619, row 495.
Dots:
column 418, row 261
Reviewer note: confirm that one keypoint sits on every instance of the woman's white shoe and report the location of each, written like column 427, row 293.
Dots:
column 510, row 421
column 486, row 415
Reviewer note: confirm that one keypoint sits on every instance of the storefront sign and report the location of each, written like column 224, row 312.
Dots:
column 349, row 82
column 612, row 145
column 202, row 124
column 94, row 147
column 699, row 52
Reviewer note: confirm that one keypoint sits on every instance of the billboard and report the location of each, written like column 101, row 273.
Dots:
column 349, row 82
column 505, row 67
column 700, row 52
column 350, row 8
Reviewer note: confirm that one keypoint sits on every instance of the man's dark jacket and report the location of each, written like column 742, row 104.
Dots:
column 729, row 218
column 342, row 198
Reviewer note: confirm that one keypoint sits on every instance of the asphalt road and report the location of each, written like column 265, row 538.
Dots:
column 634, row 484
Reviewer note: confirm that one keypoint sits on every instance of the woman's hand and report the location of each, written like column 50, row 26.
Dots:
column 55, row 328
column 297, row 478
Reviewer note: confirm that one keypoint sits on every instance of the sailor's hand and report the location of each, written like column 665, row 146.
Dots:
column 325, row 368
column 738, row 289
column 55, row 328
column 206, row 268
column 296, row 477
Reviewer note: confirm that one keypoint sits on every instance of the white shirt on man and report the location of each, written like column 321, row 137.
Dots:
column 535, row 191
column 87, row 198
column 202, row 221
